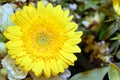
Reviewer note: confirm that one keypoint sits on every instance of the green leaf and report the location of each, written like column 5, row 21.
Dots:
column 95, row 1
column 118, row 54
column 111, row 30
column 118, row 24
column 116, row 37
column 95, row 74
column 1, row 38
column 116, row 43
column 6, row 0
column 86, row 7
column 106, row 11
column 102, row 32
column 91, row 4
column 114, row 48
column 114, row 72
column 117, row 64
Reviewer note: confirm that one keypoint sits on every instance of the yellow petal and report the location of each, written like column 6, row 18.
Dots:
column 26, row 63
column 38, row 67
column 66, row 13
column 74, row 41
column 15, row 54
column 21, row 20
column 71, row 48
column 71, row 27
column 70, row 18
column 54, row 67
column 32, row 11
column 58, row 11
column 14, row 44
column 40, row 6
column 46, row 70
column 15, row 30
column 49, row 6
column 116, row 6
column 68, row 57
column 78, row 34
column 64, row 64
column 66, row 61
column 18, row 60
column 11, row 36
column 60, row 66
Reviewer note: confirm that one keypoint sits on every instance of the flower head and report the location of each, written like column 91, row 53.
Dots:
column 43, row 40
column 116, row 6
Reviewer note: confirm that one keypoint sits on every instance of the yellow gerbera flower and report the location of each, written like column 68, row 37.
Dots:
column 116, row 6
column 43, row 40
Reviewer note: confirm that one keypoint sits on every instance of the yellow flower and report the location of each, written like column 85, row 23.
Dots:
column 43, row 40
column 116, row 6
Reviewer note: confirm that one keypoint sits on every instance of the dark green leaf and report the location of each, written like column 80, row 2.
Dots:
column 102, row 32
column 106, row 11
column 1, row 38
column 111, row 30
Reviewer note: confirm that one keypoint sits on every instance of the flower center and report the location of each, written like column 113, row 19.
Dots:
column 43, row 39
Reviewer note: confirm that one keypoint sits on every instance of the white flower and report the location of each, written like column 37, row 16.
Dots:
column 62, row 76
column 2, row 48
column 5, row 11
column 86, row 23
column 73, row 6
column 108, row 58
column 45, row 2
column 77, row 16
column 104, row 50
column 14, row 72
column 91, row 19
column 53, row 0
column 65, row 75
column 21, row 0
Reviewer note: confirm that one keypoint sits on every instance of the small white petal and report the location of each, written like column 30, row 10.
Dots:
column 73, row 6
column 5, row 11
column 65, row 75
